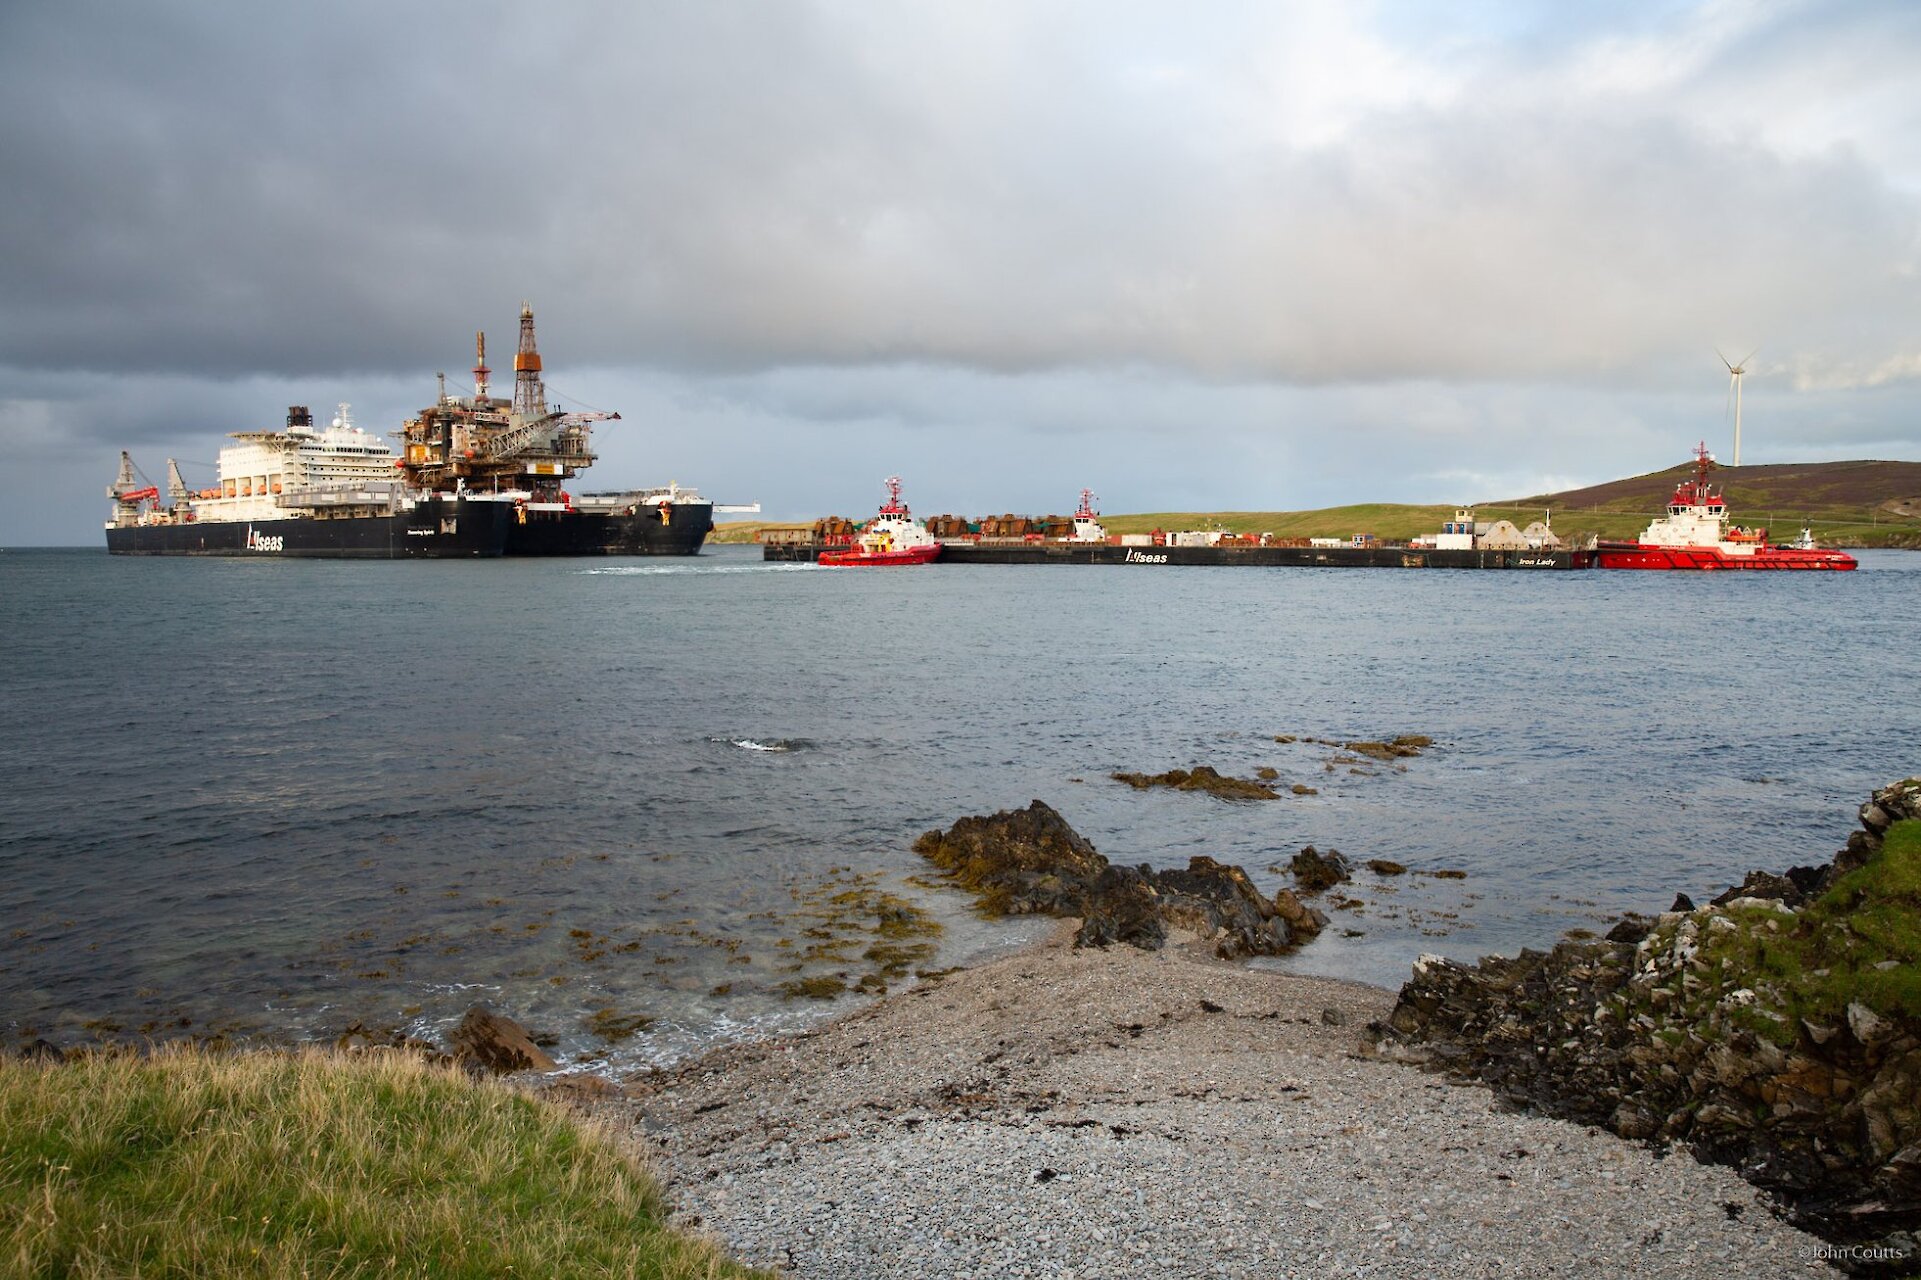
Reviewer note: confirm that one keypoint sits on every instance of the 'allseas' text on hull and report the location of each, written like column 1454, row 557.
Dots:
column 433, row 528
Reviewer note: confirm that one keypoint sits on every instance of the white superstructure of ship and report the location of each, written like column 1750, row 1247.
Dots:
column 1087, row 524
column 273, row 475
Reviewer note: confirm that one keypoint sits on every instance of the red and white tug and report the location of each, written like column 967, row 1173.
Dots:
column 892, row 537
column 1694, row 534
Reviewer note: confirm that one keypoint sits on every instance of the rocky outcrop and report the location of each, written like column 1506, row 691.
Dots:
column 1408, row 744
column 1201, row 778
column 492, row 1042
column 1315, row 871
column 1777, row 1030
column 1020, row 861
column 1030, row 861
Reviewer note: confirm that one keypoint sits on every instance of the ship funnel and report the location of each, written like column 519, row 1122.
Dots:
column 299, row 418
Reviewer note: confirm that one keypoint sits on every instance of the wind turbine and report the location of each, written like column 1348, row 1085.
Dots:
column 1734, row 384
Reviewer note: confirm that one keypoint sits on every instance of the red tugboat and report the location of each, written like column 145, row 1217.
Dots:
column 1692, row 536
column 892, row 537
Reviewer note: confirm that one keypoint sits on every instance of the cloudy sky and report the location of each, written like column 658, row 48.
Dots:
column 1226, row 256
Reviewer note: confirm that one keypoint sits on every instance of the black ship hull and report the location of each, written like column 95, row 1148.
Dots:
column 1267, row 557
column 433, row 530
column 647, row 530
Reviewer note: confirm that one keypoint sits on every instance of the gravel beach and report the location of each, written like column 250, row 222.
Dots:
column 1118, row 1112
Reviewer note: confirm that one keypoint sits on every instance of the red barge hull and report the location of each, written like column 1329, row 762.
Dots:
column 855, row 556
column 1641, row 555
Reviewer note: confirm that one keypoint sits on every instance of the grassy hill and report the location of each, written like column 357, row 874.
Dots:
column 1854, row 504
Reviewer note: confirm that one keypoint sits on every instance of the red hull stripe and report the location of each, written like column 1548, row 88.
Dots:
column 1643, row 556
column 915, row 555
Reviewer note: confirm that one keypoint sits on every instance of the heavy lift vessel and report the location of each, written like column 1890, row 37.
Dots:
column 475, row 476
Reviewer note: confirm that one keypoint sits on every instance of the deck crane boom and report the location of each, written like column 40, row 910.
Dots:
column 126, row 490
column 541, row 431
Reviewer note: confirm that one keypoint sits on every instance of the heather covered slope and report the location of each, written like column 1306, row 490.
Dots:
column 1864, row 503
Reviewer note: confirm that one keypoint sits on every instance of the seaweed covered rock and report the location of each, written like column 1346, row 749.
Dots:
column 1315, row 871
column 1407, row 744
column 1020, row 861
column 1201, row 777
column 1777, row 1030
column 1030, row 861
column 494, row 1042
column 1121, row 906
column 1219, row 901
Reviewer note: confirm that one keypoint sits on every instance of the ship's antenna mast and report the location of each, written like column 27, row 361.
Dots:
column 1734, row 384
column 530, row 394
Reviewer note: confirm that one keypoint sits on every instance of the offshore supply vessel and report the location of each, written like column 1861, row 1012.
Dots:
column 1693, row 534
column 474, row 476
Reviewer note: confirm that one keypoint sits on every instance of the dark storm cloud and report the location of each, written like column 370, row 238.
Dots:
column 257, row 189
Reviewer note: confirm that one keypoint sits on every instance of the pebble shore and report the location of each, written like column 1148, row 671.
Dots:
column 1064, row 1113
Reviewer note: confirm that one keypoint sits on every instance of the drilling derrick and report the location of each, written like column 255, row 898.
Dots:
column 530, row 393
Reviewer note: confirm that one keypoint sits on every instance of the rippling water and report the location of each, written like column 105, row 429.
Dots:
column 271, row 797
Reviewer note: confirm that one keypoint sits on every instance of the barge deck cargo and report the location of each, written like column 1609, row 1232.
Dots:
column 1463, row 544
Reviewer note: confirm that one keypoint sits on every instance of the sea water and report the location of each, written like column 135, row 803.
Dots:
column 270, row 798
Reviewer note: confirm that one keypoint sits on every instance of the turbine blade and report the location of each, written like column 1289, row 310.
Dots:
column 1724, row 359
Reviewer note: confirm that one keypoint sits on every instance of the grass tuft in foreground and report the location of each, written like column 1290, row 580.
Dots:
column 1858, row 942
column 263, row 1164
